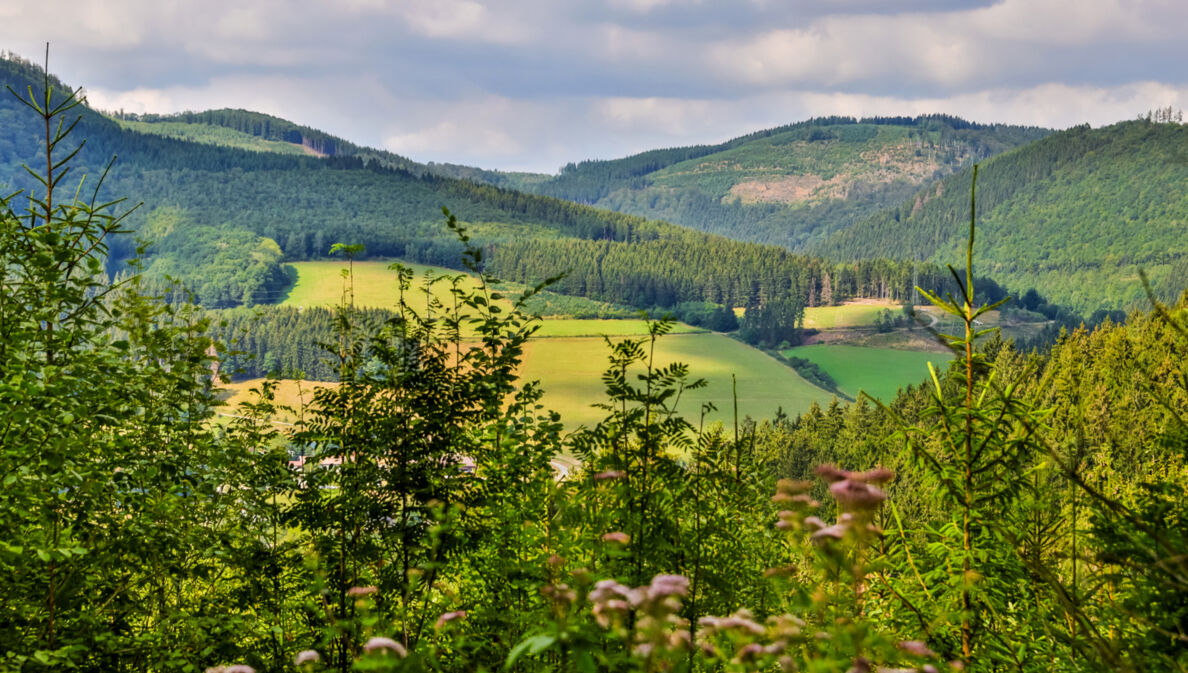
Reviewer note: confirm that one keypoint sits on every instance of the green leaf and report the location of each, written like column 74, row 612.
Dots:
column 531, row 646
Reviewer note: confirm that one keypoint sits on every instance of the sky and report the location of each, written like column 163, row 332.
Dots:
column 534, row 84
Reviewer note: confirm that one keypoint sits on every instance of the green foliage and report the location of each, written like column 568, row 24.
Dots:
column 697, row 186
column 880, row 372
column 411, row 519
column 391, row 206
column 1073, row 215
column 114, row 485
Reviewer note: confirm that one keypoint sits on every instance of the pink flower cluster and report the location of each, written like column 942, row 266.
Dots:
column 659, row 630
column 856, row 490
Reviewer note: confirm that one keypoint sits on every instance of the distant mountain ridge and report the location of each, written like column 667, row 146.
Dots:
column 224, row 217
column 272, row 130
column 793, row 185
column 848, row 190
column 1075, row 215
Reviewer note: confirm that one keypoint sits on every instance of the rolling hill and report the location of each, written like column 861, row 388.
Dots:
column 792, row 185
column 279, row 205
column 1075, row 215
column 231, row 196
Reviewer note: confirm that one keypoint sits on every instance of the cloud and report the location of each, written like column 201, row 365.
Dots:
column 537, row 83
column 1015, row 40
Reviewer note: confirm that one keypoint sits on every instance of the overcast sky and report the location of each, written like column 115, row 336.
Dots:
column 533, row 84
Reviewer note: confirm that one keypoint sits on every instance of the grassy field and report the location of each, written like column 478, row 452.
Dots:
column 878, row 371
column 845, row 315
column 212, row 135
column 570, row 371
column 320, row 283
column 573, row 327
column 292, row 394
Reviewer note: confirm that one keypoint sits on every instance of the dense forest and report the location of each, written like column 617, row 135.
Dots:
column 1018, row 512
column 223, row 220
column 792, row 185
column 1073, row 215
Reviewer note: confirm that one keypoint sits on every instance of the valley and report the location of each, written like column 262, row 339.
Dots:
column 568, row 355
column 851, row 393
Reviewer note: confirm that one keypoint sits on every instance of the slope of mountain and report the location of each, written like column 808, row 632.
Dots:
column 201, row 197
column 1075, row 215
column 790, row 186
column 265, row 133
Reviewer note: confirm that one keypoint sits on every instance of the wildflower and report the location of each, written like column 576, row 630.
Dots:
column 916, row 648
column 791, row 487
column 749, row 652
column 857, row 494
column 306, row 657
column 617, row 537
column 879, row 475
column 359, row 592
column 610, row 474
column 239, row 668
column 380, row 644
column 861, row 665
column 814, row 523
column 448, row 617
column 608, row 589
column 611, row 601
column 740, row 621
column 668, row 585
column 559, row 592
column 832, row 473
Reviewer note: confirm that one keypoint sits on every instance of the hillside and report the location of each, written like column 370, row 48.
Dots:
column 792, row 185
column 1075, row 215
column 261, row 132
column 224, row 217
column 200, row 195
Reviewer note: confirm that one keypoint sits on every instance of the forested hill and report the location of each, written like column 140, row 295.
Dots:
column 1075, row 215
column 224, row 219
column 266, row 133
column 792, row 185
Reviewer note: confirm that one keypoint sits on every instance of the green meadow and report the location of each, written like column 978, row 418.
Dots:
column 879, row 372
column 570, row 372
column 321, row 283
column 570, row 361
column 845, row 315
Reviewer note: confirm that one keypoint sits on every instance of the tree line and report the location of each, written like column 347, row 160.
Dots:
column 1017, row 512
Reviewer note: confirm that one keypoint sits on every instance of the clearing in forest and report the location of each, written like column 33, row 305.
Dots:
column 570, row 372
column 878, row 371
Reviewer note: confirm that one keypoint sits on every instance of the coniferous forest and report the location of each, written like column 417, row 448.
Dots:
column 1022, row 510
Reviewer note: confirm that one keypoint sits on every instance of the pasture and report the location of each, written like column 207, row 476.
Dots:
column 570, row 371
column 320, row 283
column 878, row 371
column 854, row 314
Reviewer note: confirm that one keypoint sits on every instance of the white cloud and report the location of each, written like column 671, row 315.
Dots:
column 962, row 48
column 644, row 6
column 537, row 83
column 463, row 20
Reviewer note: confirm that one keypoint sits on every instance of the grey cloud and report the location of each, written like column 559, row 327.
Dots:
column 536, row 83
